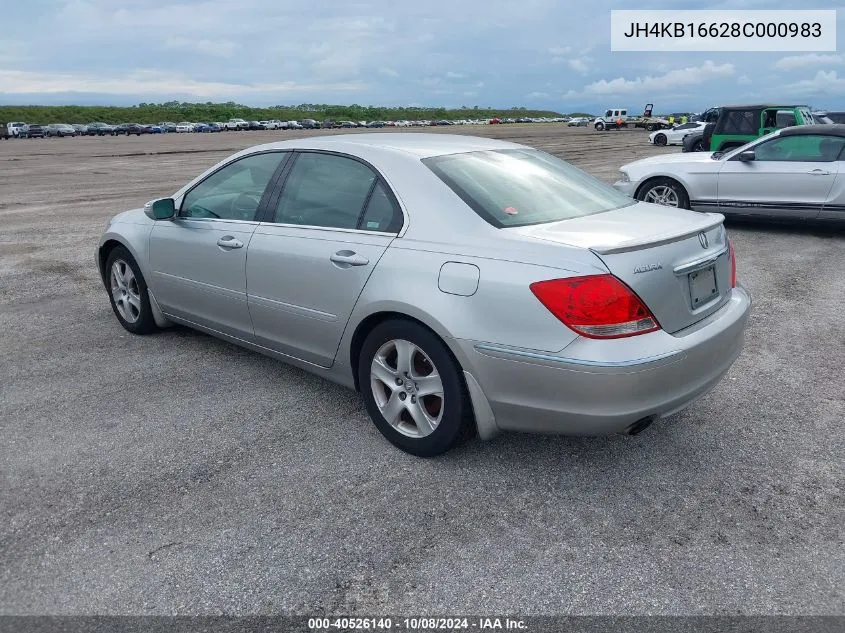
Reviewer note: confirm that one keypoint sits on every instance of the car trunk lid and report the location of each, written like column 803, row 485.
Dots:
column 677, row 261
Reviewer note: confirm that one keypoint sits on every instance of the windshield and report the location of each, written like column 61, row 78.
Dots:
column 524, row 186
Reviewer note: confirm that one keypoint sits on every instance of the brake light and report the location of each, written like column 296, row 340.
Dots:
column 596, row 306
column 733, row 263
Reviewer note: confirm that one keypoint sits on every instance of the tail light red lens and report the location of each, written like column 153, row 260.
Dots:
column 733, row 263
column 596, row 306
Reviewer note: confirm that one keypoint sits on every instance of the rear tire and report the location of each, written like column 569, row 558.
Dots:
column 425, row 425
column 664, row 191
column 128, row 293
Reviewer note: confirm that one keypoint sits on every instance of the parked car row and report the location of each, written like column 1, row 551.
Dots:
column 99, row 128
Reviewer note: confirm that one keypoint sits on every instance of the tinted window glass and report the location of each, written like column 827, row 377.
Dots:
column 233, row 192
column 519, row 187
column 741, row 122
column 325, row 190
column 381, row 214
column 807, row 149
column 785, row 118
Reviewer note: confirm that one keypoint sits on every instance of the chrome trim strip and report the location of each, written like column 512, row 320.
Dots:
column 227, row 221
column 290, row 308
column 703, row 262
column 484, row 347
column 193, row 283
column 324, row 228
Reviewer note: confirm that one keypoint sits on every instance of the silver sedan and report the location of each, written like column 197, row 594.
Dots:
column 796, row 172
column 460, row 284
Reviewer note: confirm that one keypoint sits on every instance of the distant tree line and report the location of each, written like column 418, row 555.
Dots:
column 177, row 111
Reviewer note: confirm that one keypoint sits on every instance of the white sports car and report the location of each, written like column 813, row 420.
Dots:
column 675, row 135
column 795, row 172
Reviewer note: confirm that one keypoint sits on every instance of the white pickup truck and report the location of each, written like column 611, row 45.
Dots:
column 613, row 119
column 236, row 124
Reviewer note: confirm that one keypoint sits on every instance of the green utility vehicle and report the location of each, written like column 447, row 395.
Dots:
column 738, row 125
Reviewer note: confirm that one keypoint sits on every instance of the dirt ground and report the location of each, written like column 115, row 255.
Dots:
column 178, row 474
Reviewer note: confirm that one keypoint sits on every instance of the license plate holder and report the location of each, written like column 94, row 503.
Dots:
column 703, row 287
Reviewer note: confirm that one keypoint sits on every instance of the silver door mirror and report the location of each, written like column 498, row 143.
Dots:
column 161, row 209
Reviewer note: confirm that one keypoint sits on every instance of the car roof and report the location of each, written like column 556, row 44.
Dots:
column 836, row 129
column 421, row 145
column 760, row 106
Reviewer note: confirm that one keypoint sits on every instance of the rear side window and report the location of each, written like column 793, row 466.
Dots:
column 521, row 187
column 336, row 192
column 739, row 122
column 382, row 213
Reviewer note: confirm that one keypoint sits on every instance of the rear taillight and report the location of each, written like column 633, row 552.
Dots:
column 733, row 263
column 596, row 306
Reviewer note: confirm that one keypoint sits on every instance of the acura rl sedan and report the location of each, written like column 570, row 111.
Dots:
column 461, row 284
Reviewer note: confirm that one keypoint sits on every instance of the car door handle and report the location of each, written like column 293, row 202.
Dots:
column 349, row 258
column 229, row 241
column 819, row 172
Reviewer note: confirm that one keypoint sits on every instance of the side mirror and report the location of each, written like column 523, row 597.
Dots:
column 162, row 209
column 747, row 156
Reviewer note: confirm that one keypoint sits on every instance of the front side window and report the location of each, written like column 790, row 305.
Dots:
column 801, row 148
column 233, row 192
column 523, row 186
column 325, row 190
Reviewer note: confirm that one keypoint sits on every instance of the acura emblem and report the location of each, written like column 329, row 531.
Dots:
column 702, row 239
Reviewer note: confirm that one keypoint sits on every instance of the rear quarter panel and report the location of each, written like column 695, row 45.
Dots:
column 502, row 309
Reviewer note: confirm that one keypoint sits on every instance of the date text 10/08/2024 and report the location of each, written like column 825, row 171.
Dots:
column 416, row 624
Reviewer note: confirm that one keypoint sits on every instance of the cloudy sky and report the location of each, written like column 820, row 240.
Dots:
column 500, row 53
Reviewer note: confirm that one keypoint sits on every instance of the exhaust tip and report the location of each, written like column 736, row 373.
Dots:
column 640, row 425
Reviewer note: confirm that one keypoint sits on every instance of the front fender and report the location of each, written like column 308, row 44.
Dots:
column 135, row 237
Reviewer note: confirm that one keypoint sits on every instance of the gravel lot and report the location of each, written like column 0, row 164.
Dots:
column 179, row 474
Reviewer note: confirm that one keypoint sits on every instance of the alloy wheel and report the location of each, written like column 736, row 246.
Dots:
column 662, row 194
column 125, row 291
column 407, row 388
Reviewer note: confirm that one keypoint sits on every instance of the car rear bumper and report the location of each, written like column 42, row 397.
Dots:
column 598, row 387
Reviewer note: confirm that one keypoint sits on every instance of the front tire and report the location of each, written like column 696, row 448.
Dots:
column 413, row 388
column 599, row 126
column 128, row 294
column 664, row 191
column 660, row 140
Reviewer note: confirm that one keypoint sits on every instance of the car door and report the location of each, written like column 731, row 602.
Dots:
column 677, row 134
column 322, row 236
column 198, row 258
column 834, row 206
column 791, row 176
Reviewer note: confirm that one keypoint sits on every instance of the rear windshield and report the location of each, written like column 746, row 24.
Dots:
column 521, row 187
